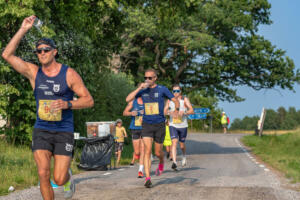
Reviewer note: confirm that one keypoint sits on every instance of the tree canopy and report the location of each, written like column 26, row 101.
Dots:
column 205, row 45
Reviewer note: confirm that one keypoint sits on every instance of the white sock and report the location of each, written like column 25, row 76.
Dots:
column 141, row 168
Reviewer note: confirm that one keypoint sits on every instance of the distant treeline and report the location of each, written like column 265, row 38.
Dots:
column 281, row 119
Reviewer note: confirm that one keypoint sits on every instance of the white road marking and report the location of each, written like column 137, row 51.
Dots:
column 251, row 157
column 107, row 173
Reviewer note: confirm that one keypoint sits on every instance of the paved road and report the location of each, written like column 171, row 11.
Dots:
column 218, row 168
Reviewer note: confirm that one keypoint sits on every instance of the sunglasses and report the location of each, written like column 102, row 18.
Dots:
column 176, row 91
column 148, row 77
column 45, row 49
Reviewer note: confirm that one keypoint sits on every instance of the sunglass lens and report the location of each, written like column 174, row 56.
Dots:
column 150, row 78
column 46, row 50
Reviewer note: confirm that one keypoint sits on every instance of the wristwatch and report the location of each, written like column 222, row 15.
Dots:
column 177, row 109
column 69, row 105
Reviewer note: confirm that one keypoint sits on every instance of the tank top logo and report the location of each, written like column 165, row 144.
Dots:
column 156, row 95
column 43, row 87
column 56, row 87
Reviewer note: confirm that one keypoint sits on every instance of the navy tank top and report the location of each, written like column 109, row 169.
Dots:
column 135, row 124
column 47, row 89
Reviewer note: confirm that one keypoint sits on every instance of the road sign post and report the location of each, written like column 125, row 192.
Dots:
column 210, row 124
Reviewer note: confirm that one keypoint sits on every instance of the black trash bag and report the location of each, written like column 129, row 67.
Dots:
column 96, row 153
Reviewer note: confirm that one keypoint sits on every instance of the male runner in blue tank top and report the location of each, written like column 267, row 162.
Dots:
column 54, row 85
column 153, row 127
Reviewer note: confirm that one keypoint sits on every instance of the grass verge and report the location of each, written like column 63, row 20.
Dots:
column 18, row 169
column 282, row 152
column 266, row 132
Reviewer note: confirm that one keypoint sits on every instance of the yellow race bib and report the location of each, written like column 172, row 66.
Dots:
column 138, row 120
column 151, row 108
column 47, row 114
column 177, row 120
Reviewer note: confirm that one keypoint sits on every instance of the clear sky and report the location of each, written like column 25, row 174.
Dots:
column 285, row 34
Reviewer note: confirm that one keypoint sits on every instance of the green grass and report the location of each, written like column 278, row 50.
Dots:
column 17, row 166
column 282, row 152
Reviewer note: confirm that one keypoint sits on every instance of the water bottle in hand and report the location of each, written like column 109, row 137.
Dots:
column 37, row 23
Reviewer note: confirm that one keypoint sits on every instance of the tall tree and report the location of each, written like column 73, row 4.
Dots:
column 205, row 45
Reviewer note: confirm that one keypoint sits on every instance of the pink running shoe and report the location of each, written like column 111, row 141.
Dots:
column 159, row 170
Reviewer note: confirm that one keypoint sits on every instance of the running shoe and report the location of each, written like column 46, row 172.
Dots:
column 140, row 174
column 69, row 187
column 183, row 162
column 159, row 170
column 131, row 164
column 174, row 166
column 148, row 183
column 137, row 157
column 53, row 184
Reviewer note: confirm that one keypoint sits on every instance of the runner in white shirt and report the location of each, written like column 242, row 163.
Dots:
column 178, row 125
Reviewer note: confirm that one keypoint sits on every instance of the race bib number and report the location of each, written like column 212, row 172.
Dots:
column 177, row 120
column 138, row 120
column 151, row 109
column 47, row 114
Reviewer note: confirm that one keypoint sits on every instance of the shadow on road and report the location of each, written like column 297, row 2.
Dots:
column 176, row 179
column 179, row 170
column 197, row 147
column 78, row 180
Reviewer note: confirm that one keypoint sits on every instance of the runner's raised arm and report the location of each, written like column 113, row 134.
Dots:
column 27, row 69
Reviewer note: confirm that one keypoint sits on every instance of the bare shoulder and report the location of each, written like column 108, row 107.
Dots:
column 73, row 77
column 72, row 73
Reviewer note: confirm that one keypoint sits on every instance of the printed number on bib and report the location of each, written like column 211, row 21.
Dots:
column 151, row 109
column 138, row 120
column 177, row 120
column 47, row 114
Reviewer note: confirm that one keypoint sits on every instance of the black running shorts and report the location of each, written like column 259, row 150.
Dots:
column 136, row 134
column 119, row 146
column 155, row 131
column 59, row 143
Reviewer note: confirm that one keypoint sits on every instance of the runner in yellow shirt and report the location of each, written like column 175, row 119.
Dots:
column 119, row 141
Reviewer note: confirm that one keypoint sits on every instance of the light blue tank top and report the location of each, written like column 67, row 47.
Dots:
column 136, row 107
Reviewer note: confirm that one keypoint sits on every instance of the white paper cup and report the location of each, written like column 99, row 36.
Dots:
column 76, row 136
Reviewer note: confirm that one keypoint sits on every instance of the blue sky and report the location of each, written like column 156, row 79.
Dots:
column 285, row 34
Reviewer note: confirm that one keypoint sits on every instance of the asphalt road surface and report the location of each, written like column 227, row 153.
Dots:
column 218, row 167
